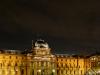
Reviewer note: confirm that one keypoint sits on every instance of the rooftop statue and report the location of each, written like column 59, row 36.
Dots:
column 41, row 44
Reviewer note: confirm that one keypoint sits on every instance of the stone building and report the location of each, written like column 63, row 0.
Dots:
column 40, row 61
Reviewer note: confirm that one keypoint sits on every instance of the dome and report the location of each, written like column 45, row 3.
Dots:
column 41, row 44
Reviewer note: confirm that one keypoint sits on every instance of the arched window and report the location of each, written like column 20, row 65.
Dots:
column 16, row 57
column 9, row 64
column 10, row 57
column 9, row 68
column 22, row 71
column 32, row 72
column 0, row 65
column 15, row 64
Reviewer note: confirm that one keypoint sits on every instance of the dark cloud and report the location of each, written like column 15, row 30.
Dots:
column 76, row 23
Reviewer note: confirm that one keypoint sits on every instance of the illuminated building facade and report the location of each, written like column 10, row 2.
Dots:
column 12, row 62
column 40, row 61
column 43, row 61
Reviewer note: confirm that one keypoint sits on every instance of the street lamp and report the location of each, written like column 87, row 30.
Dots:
column 39, row 70
column 53, row 70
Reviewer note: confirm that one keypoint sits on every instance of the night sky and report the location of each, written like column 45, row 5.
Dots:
column 69, row 26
